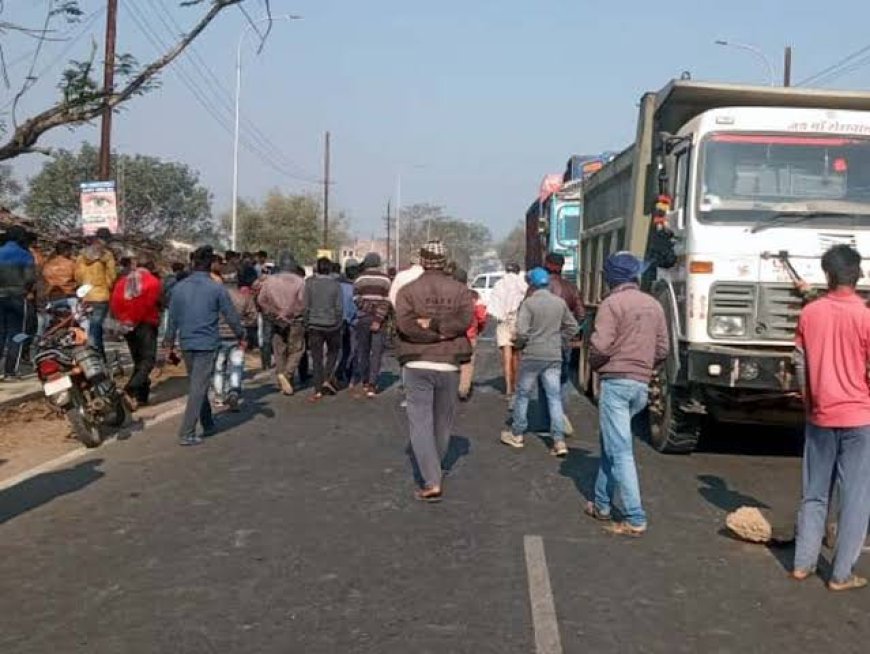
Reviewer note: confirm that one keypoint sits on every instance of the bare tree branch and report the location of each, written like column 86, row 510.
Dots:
column 83, row 103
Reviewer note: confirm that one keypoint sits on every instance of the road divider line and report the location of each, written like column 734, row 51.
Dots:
column 546, row 626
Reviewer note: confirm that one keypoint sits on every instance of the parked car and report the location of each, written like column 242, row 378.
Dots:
column 484, row 283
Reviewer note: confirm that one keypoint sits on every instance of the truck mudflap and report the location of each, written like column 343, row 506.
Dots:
column 742, row 369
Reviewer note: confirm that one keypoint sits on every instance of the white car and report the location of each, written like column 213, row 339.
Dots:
column 484, row 284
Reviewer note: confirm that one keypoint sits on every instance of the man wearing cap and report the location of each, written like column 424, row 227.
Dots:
column 95, row 267
column 432, row 315
column 543, row 321
column 372, row 296
column 630, row 340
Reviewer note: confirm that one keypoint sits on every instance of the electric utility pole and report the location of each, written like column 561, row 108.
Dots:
column 326, row 193
column 389, row 252
column 787, row 67
column 105, row 172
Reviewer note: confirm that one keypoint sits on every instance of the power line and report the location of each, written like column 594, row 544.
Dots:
column 224, row 97
column 832, row 71
column 200, row 96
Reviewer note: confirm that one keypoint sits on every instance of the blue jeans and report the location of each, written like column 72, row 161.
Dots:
column 99, row 312
column 621, row 400
column 549, row 373
column 229, row 370
column 843, row 455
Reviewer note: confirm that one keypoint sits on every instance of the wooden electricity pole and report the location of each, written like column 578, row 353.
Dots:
column 787, row 67
column 105, row 171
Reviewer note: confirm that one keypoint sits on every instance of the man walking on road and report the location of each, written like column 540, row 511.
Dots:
column 135, row 303
column 629, row 342
column 195, row 310
column 832, row 352
column 17, row 277
column 324, row 314
column 372, row 289
column 347, row 362
column 504, row 303
column 282, row 300
column 543, row 322
column 432, row 315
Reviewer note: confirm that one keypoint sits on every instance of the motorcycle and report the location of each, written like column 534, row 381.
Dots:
column 75, row 378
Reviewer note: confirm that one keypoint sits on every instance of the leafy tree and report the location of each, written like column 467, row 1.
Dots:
column 155, row 198
column 513, row 247
column 82, row 95
column 463, row 239
column 285, row 222
column 10, row 188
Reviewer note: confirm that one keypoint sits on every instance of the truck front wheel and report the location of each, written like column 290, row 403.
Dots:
column 672, row 430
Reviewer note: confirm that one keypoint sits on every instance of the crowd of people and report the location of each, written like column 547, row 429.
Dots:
column 213, row 308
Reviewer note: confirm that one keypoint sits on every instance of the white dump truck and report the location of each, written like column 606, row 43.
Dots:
column 730, row 194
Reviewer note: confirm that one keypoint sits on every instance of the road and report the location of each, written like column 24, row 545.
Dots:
column 294, row 530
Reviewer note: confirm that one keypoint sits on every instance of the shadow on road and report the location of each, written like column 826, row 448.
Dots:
column 41, row 489
column 581, row 468
column 751, row 440
column 715, row 490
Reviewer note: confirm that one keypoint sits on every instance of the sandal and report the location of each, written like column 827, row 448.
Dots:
column 594, row 512
column 852, row 583
column 328, row 389
column 313, row 399
column 625, row 529
column 431, row 495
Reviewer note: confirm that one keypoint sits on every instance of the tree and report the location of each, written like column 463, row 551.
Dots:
column 155, row 198
column 10, row 188
column 82, row 96
column 285, row 222
column 513, row 248
column 463, row 239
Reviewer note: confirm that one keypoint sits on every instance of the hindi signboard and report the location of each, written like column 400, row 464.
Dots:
column 99, row 207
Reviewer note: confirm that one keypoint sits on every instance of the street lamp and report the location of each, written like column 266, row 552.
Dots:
column 755, row 51
column 248, row 28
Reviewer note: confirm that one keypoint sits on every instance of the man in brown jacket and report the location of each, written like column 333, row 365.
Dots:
column 432, row 315
column 630, row 340
column 59, row 274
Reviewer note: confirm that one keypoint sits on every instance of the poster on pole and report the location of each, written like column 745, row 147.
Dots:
column 99, row 207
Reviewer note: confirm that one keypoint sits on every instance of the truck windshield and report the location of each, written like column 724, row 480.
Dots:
column 568, row 224
column 750, row 178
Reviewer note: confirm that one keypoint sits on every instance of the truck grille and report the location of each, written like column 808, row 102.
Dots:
column 770, row 310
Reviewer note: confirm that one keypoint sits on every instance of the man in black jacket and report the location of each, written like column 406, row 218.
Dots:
column 324, row 314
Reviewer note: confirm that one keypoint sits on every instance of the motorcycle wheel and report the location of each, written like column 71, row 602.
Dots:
column 85, row 431
column 118, row 415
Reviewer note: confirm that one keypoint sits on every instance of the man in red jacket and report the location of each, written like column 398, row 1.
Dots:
column 135, row 303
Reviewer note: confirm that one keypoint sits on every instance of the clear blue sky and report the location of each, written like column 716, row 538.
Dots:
column 473, row 100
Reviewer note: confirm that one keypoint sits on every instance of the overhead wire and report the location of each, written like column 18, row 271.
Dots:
column 201, row 98
column 839, row 68
column 223, row 96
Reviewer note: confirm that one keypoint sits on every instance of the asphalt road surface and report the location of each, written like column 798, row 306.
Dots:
column 295, row 530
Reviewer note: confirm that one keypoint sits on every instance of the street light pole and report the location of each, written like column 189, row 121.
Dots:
column 398, row 218
column 248, row 28
column 755, row 51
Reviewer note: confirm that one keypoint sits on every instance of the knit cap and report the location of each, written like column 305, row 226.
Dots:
column 433, row 255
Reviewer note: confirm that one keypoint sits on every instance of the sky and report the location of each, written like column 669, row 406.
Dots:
column 471, row 102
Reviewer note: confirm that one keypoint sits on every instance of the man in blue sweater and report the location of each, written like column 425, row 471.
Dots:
column 195, row 309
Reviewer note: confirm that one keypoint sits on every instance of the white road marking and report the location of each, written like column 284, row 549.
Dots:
column 544, row 620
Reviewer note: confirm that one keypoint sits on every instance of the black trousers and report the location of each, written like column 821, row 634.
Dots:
column 317, row 338
column 142, row 342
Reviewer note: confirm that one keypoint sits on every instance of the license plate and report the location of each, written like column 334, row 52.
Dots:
column 58, row 385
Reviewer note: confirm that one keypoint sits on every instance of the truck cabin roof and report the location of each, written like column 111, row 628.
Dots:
column 681, row 100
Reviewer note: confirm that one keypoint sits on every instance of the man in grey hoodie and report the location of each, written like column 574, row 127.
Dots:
column 324, row 315
column 543, row 321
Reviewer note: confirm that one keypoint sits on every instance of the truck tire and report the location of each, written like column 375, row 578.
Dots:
column 671, row 430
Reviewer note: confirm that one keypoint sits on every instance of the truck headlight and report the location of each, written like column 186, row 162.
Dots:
column 725, row 326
